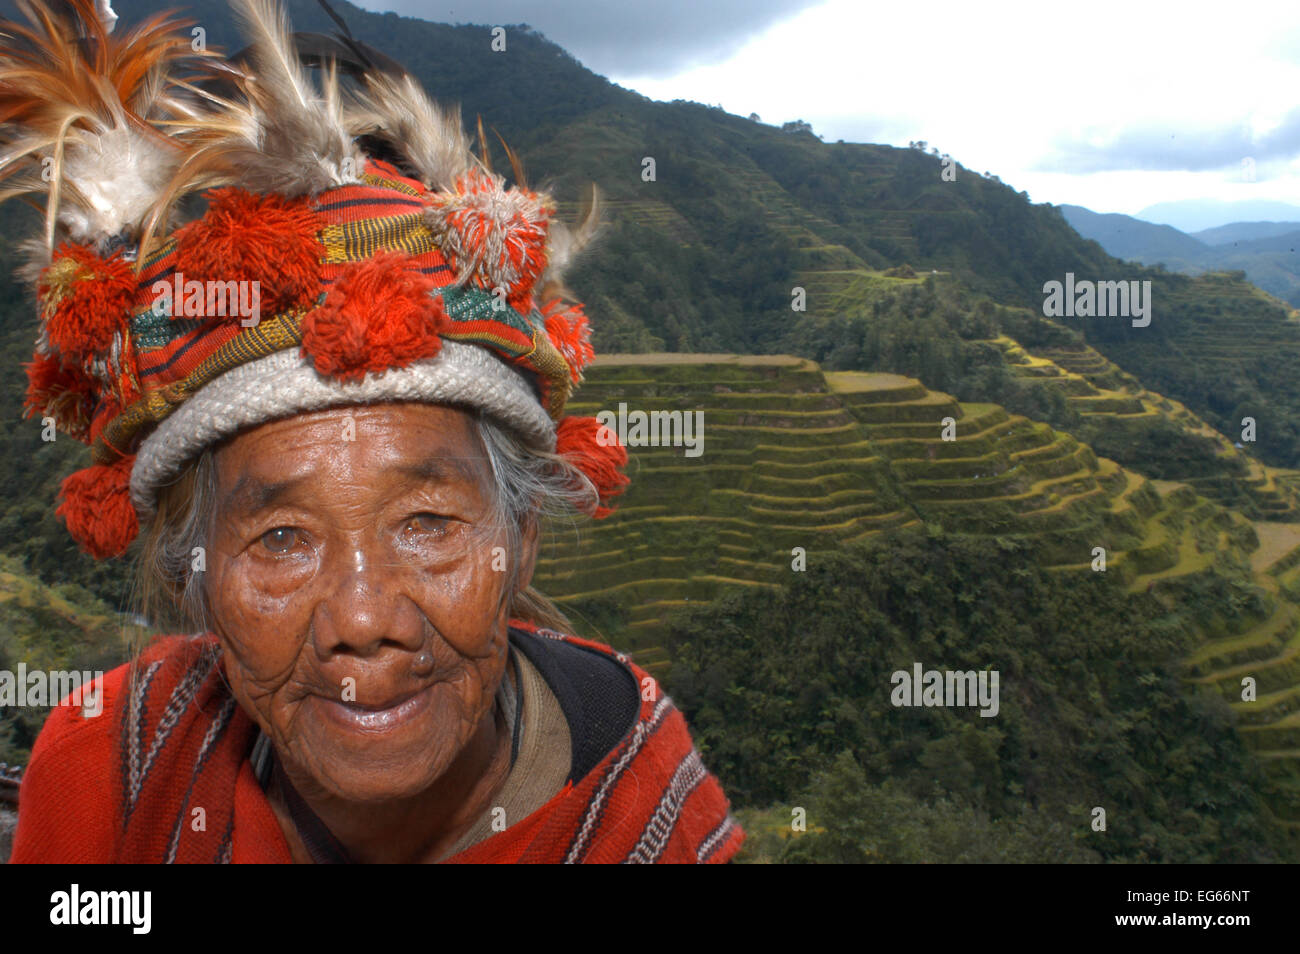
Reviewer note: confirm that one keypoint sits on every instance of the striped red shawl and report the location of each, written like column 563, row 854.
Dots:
column 179, row 786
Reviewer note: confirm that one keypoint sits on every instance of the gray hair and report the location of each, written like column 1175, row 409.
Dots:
column 528, row 487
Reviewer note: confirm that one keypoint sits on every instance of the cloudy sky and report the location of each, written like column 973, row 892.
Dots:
column 1111, row 105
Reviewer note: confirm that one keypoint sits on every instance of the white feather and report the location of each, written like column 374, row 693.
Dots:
column 117, row 176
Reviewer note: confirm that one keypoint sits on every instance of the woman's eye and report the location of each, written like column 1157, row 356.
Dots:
column 429, row 523
column 280, row 540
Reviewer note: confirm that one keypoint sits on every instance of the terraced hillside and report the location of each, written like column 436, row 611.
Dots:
column 1269, row 653
column 1003, row 474
column 836, row 288
column 1225, row 349
column 796, row 457
column 784, row 464
column 1098, row 389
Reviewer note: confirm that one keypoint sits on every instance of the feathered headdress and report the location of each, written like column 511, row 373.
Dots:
column 352, row 249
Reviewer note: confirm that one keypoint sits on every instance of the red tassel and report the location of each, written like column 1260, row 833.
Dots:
column 65, row 394
column 594, row 449
column 379, row 314
column 569, row 331
column 96, row 506
column 86, row 300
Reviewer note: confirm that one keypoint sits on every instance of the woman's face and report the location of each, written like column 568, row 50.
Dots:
column 357, row 587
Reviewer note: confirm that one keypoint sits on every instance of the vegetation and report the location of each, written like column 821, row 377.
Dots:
column 788, row 694
column 60, row 627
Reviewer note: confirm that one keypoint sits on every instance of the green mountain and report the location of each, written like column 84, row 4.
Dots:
column 790, row 693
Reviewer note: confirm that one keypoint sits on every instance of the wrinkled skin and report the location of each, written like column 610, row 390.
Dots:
column 339, row 566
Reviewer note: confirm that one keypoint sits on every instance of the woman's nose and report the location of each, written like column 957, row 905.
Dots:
column 367, row 605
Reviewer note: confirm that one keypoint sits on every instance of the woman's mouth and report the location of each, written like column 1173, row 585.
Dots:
column 386, row 717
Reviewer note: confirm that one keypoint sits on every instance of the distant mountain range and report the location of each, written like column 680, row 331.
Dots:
column 1195, row 215
column 1244, row 232
column 1268, row 252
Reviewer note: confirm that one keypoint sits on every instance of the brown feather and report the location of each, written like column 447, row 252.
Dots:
column 565, row 243
column 394, row 108
column 516, row 166
column 79, row 106
column 485, row 157
column 298, row 143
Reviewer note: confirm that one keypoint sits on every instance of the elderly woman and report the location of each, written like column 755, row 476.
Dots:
column 332, row 409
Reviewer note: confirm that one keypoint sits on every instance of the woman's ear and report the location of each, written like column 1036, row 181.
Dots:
column 529, row 545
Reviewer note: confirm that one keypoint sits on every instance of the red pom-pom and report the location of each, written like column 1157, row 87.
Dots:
column 245, row 238
column 379, row 314
column 567, row 327
column 499, row 232
column 65, row 394
column 85, row 300
column 96, row 506
column 594, row 449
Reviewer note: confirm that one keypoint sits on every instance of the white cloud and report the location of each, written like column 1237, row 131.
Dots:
column 1008, row 86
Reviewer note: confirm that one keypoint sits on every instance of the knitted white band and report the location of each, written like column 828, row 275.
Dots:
column 285, row 383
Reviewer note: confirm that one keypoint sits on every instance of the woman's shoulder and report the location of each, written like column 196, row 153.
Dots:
column 638, row 756
column 597, row 687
